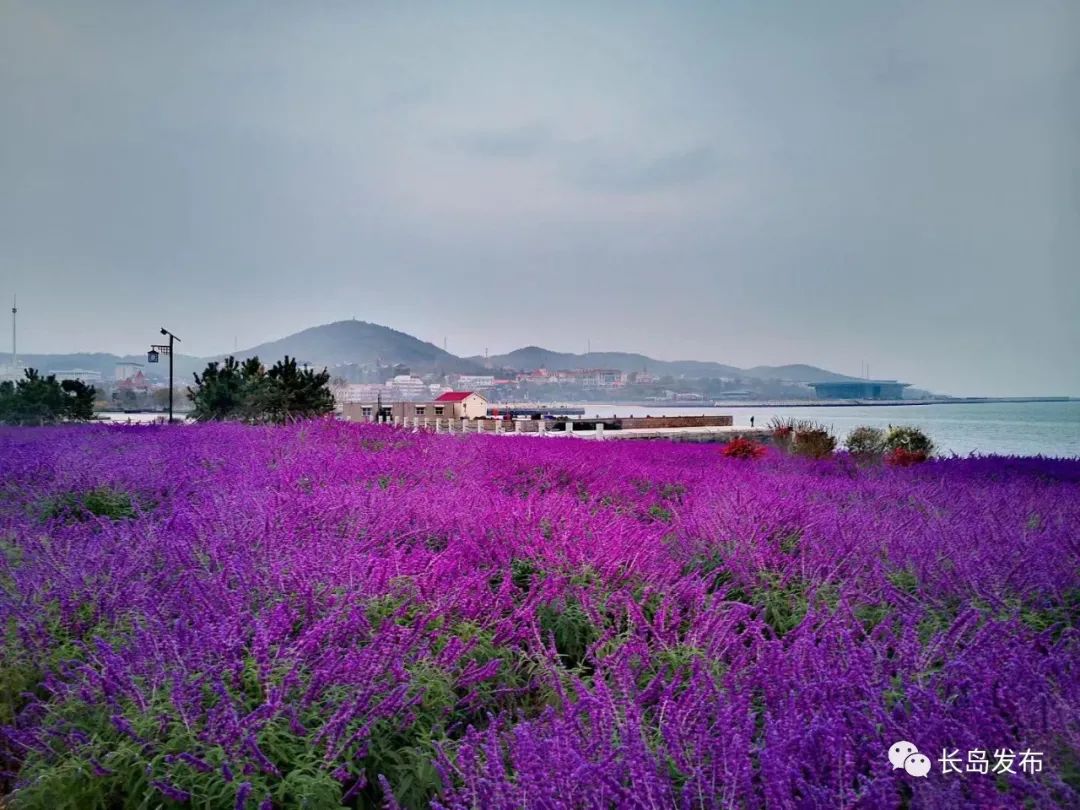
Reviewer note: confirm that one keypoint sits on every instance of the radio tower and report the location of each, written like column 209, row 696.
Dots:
column 14, row 344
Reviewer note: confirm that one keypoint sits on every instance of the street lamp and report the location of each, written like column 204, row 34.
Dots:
column 152, row 357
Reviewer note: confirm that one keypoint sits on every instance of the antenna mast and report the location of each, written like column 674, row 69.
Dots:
column 14, row 344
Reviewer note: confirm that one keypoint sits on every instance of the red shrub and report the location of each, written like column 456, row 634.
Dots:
column 901, row 457
column 743, row 448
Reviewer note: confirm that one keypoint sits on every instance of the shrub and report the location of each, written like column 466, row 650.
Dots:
column 901, row 457
column 743, row 448
column 782, row 436
column 815, row 442
column 866, row 442
column 783, row 430
column 910, row 439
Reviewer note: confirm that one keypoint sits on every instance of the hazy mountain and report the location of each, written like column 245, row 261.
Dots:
column 797, row 372
column 105, row 364
column 532, row 357
column 365, row 343
column 360, row 342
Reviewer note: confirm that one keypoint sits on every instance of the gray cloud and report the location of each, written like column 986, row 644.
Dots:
column 589, row 164
column 751, row 184
column 641, row 175
column 524, row 141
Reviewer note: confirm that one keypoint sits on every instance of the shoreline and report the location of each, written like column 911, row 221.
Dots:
column 834, row 403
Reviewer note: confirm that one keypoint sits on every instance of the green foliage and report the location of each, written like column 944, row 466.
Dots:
column 111, row 770
column 247, row 392
column 660, row 513
column 1055, row 617
column 522, row 572
column 783, row 605
column 37, row 400
column 220, row 392
column 866, row 443
column 871, row 615
column 571, row 628
column 904, row 580
column 100, row 502
column 909, row 439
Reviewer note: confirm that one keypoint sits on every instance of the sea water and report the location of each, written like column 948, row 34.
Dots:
column 1001, row 428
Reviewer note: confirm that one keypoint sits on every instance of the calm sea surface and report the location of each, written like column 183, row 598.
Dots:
column 1004, row 428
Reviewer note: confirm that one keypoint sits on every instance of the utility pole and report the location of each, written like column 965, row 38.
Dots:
column 152, row 357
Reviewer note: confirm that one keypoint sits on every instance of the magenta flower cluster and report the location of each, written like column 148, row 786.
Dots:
column 328, row 615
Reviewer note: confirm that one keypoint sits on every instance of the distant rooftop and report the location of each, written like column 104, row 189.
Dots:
column 454, row 396
column 857, row 382
column 859, row 389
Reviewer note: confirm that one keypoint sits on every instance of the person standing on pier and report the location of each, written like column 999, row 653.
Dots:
column 751, row 421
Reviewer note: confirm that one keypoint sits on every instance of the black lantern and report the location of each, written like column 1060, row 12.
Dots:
column 152, row 356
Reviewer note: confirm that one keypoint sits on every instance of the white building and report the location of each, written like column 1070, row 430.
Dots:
column 359, row 392
column 81, row 374
column 12, row 373
column 407, row 387
column 470, row 382
column 125, row 371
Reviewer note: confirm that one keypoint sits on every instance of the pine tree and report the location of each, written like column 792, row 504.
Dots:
column 37, row 400
column 248, row 392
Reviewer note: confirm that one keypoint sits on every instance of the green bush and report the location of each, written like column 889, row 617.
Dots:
column 909, row 439
column 866, row 442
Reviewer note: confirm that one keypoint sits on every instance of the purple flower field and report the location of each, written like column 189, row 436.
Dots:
column 334, row 615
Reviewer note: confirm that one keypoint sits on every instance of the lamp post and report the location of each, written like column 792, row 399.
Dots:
column 152, row 357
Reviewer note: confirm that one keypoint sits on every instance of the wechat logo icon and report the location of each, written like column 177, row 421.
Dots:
column 905, row 755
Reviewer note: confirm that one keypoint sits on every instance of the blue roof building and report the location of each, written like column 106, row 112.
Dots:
column 860, row 389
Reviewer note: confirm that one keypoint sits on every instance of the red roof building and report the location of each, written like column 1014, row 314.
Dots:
column 464, row 404
column 136, row 383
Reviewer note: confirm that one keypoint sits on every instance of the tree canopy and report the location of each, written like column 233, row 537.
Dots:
column 247, row 392
column 38, row 400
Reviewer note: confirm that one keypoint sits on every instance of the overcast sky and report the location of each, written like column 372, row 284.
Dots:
column 828, row 182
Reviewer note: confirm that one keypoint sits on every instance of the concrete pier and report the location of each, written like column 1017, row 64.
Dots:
column 718, row 434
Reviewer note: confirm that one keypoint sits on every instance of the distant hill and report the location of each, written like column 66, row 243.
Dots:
column 532, row 357
column 361, row 342
column 328, row 345
column 103, row 363
column 365, row 343
column 796, row 373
